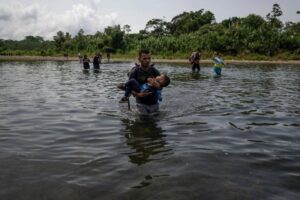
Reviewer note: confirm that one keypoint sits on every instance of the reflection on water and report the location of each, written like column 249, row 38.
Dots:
column 195, row 75
column 145, row 138
column 63, row 134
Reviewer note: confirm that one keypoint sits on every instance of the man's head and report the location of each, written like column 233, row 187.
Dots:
column 144, row 57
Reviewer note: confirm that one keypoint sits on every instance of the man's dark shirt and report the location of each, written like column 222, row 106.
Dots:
column 96, row 62
column 141, row 76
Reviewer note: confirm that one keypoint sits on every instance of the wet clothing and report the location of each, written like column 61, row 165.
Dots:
column 96, row 62
column 141, row 76
column 217, row 70
column 195, row 61
column 133, row 85
column 218, row 64
column 196, row 66
column 147, row 109
column 86, row 63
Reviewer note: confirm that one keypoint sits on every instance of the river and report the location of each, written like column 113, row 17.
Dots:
column 64, row 136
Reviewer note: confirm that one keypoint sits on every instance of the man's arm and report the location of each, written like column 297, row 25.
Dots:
column 141, row 94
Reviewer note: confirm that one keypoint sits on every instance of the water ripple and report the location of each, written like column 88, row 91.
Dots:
column 63, row 134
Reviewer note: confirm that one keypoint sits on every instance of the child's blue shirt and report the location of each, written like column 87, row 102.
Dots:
column 147, row 88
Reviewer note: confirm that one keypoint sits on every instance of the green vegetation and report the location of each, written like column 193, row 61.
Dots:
column 252, row 37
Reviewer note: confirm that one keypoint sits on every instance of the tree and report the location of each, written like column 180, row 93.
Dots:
column 253, row 21
column 126, row 28
column 115, row 37
column 80, row 40
column 252, row 33
column 59, row 39
column 228, row 23
column 187, row 22
column 67, row 45
column 273, row 16
column 37, row 39
column 290, row 38
column 273, row 32
column 157, row 27
column 2, row 46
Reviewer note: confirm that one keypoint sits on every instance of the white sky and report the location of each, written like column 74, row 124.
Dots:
column 19, row 18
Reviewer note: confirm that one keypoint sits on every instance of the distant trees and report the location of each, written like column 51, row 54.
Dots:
column 79, row 41
column 273, row 32
column 190, row 21
column 30, row 45
column 59, row 39
column 273, row 16
column 186, row 32
column 115, row 37
column 112, row 37
column 157, row 27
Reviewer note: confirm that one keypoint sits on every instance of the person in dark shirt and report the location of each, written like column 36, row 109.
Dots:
column 147, row 103
column 195, row 60
column 86, row 62
column 97, row 61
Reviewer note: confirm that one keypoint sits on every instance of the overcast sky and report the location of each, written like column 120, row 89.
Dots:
column 19, row 18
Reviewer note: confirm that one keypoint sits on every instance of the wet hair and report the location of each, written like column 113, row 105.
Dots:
column 166, row 81
column 145, row 51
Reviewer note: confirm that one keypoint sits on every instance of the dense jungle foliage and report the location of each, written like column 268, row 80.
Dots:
column 251, row 37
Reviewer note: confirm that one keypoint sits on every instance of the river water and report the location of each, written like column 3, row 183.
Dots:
column 64, row 136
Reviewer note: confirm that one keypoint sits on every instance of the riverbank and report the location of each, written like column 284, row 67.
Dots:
column 55, row 58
